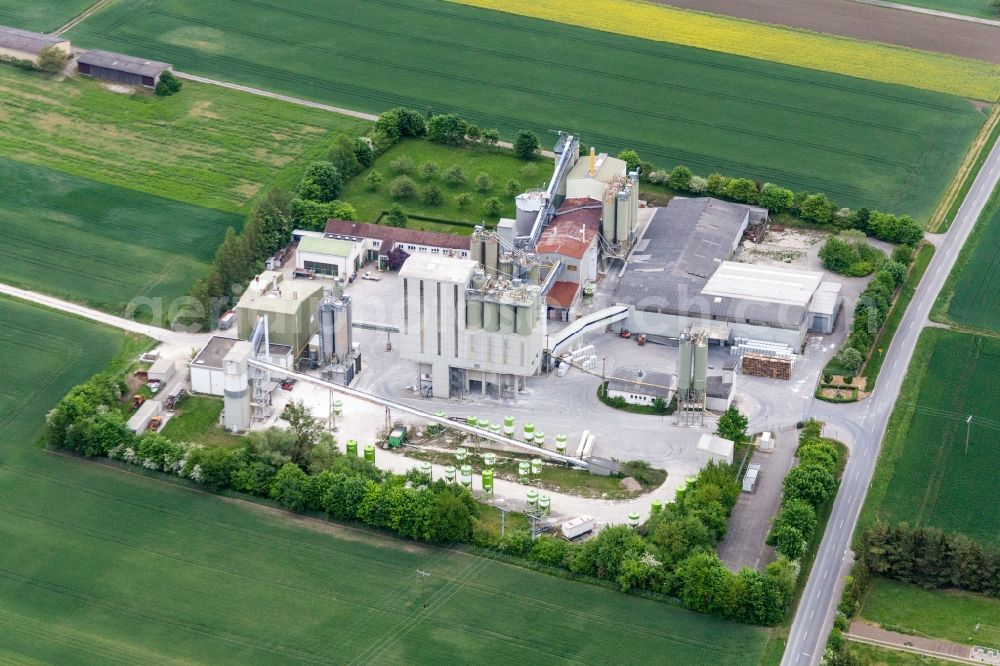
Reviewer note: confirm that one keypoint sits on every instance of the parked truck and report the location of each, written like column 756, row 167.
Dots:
column 577, row 527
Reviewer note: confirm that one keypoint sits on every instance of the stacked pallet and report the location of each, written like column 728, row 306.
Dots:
column 772, row 367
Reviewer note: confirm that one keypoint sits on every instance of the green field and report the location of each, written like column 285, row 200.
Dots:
column 99, row 244
column 104, row 565
column 500, row 167
column 869, row 655
column 197, row 420
column 966, row 618
column 971, row 295
column 40, row 15
column 924, row 475
column 206, row 146
column 861, row 142
column 980, row 8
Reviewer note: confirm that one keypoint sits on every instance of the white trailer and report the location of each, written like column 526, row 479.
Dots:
column 577, row 527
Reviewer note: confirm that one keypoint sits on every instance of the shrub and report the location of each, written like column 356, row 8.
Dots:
column 658, row 177
column 432, row 196
column 698, row 185
column 895, row 269
column 396, row 216
column 816, row 208
column 679, row 179
column 902, row 254
column 743, row 190
column 529, row 171
column 775, row 198
column 53, row 61
column 402, row 187
column 512, row 188
column 401, row 165
column 483, row 183
column 525, row 145
column 549, row 550
column 448, row 129
column 473, row 133
column 491, row 207
column 716, row 185
column 454, row 176
column 373, row 180
column 491, row 137
column 166, row 86
column 364, row 152
column 850, row 358
column 640, row 470
column 631, row 159
column 463, row 200
column 515, row 542
column 429, row 170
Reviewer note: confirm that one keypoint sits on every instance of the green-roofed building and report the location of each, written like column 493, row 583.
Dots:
column 333, row 257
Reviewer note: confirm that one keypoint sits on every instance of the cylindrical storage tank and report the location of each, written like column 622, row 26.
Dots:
column 506, row 319
column 465, row 476
column 484, row 424
column 532, row 499
column 370, row 453
column 684, row 363
column 540, row 438
column 326, row 330
column 508, row 426
column 472, row 421
column 427, row 470
column 491, row 316
column 352, row 448
column 561, row 444
column 495, row 428
column 608, row 220
column 633, row 520
column 691, row 479
column 338, row 407
column 536, row 466
column 523, row 470
column 489, row 460
column 341, row 330
column 524, row 320
column 621, row 216
column 700, row 366
column 473, row 314
column 491, row 258
column 460, row 454
column 544, row 505
column 476, row 251
column 488, row 481
column 529, row 431
column 478, row 278
column 506, row 268
column 657, row 507
column 449, row 474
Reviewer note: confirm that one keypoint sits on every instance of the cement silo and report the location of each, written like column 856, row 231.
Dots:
column 325, row 317
column 608, row 218
column 524, row 320
column 622, row 216
column 491, row 316
column 473, row 314
column 684, row 363
column 700, row 364
column 507, row 318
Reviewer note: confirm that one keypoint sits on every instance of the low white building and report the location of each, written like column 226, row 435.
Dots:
column 207, row 368
column 641, row 388
column 331, row 257
column 714, row 448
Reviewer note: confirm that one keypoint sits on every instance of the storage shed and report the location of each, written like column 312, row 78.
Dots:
column 19, row 44
column 120, row 68
column 713, row 447
column 162, row 370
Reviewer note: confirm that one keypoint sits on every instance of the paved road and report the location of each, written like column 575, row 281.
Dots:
column 867, row 22
column 862, row 426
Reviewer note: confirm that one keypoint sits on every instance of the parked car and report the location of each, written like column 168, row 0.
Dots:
column 371, row 276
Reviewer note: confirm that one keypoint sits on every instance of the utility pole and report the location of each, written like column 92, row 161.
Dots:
column 968, row 427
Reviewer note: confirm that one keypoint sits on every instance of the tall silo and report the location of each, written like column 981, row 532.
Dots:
column 524, row 320
column 684, row 363
column 507, row 319
column 327, row 344
column 622, row 221
column 473, row 314
column 700, row 364
column 491, row 316
column 341, row 329
column 608, row 218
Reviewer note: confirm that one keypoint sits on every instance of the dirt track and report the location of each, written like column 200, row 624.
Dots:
column 865, row 22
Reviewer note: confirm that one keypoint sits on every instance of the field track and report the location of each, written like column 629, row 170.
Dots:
column 866, row 22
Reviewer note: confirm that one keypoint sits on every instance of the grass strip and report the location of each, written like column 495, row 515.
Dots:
column 940, row 220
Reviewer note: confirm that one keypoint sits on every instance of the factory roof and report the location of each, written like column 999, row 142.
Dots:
column 217, row 348
column 333, row 247
column 826, row 299
column 392, row 235
column 268, row 292
column 27, row 41
column 605, row 168
column 123, row 63
column 656, row 384
column 769, row 284
column 573, row 228
column 716, row 445
column 439, row 269
column 562, row 294
column 715, row 387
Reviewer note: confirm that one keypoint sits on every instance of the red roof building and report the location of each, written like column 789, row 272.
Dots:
column 380, row 239
column 573, row 229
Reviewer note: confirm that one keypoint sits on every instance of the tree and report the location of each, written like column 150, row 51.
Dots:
column 698, row 185
column 703, row 582
column 274, row 211
column 343, row 157
column 512, row 188
column 401, row 165
column 631, row 159
column 902, row 254
column 525, row 145
column 307, row 214
column 289, row 487
column 454, row 176
column 995, row 4
column 483, row 182
column 816, row 208
column 799, row 514
column 491, row 207
column 850, row 358
column 432, row 196
column 363, row 151
column 398, row 256
column 775, row 198
column 716, row 184
column 679, row 178
column 491, row 137
column 896, row 270
column 321, row 182
column 396, row 216
column 167, row 85
column 429, row 170
column 743, row 190
column 53, row 61
column 305, row 426
column 732, row 425
column 811, row 483
column 463, row 200
column 549, row 550
column 837, row 255
column 453, row 517
column 473, row 133
column 402, row 187
column 448, row 129
column 373, row 180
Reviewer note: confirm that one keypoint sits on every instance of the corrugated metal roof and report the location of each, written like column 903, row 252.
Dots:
column 562, row 294
column 770, row 284
column 573, row 229
column 440, row 269
column 391, row 235
column 656, row 384
column 329, row 246
column 123, row 63
column 27, row 41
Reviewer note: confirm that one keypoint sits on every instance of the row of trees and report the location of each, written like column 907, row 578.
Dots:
column 812, row 207
column 806, row 488
column 301, row 467
column 450, row 129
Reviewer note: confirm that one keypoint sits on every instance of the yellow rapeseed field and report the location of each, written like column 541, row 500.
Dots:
column 876, row 62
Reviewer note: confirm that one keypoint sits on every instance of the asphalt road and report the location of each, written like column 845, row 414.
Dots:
column 862, row 426
column 867, row 22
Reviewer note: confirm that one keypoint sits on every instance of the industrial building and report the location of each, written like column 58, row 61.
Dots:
column 330, row 257
column 469, row 333
column 290, row 307
column 332, row 350
column 120, row 68
column 378, row 240
column 641, row 388
column 208, row 371
column 572, row 239
column 712, row 448
column 18, row 44
column 679, row 278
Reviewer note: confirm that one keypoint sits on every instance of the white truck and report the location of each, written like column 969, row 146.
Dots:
column 577, row 527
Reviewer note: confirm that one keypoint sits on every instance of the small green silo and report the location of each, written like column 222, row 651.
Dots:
column 489, row 460
column 370, row 453
column 657, row 507
column 540, row 439
column 633, row 520
column 532, row 500
column 536, row 467
column 523, row 471
column 487, row 481
column 427, row 470
column 544, row 505
column 338, row 407
column 508, row 426
column 449, row 474
column 352, row 448
column 561, row 444
column 461, row 454
column 465, row 476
